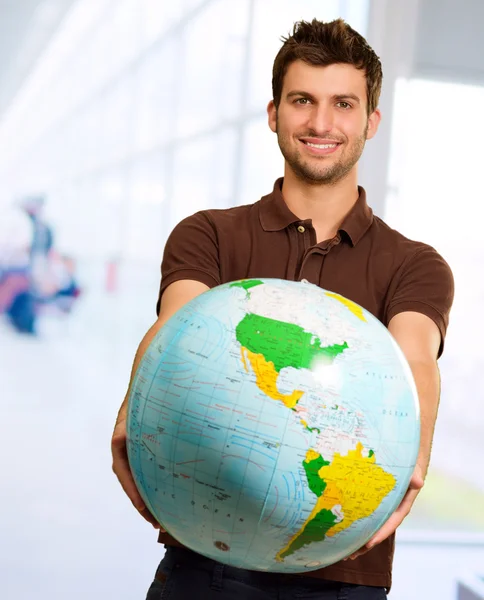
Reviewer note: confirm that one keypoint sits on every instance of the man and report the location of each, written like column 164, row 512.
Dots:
column 315, row 225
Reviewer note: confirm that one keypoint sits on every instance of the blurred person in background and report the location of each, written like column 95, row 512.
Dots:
column 326, row 87
column 43, row 236
column 33, row 275
column 16, row 234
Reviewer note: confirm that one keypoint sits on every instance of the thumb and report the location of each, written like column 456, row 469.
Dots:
column 416, row 482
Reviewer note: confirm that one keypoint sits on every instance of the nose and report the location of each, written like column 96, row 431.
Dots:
column 321, row 119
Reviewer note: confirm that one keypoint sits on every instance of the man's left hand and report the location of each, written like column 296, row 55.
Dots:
column 416, row 484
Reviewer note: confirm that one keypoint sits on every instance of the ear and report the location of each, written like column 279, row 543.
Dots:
column 373, row 123
column 272, row 116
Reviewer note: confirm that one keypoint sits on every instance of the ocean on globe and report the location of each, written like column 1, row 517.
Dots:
column 273, row 425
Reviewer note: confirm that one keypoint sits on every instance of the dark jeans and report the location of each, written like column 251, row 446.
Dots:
column 185, row 575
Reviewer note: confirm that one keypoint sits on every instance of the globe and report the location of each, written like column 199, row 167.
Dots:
column 273, row 425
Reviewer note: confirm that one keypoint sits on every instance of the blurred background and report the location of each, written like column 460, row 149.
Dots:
column 117, row 119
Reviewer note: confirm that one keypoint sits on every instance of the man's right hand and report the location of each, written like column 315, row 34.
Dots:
column 175, row 296
column 123, row 472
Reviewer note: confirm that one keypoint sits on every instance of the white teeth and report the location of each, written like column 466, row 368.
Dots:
column 321, row 145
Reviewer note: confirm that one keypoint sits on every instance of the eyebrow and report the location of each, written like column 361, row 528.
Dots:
column 334, row 97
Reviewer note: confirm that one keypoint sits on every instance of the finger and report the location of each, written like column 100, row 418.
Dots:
column 358, row 553
column 385, row 532
column 123, row 472
column 392, row 524
column 406, row 503
column 128, row 485
column 151, row 519
column 417, row 480
column 382, row 534
column 416, row 483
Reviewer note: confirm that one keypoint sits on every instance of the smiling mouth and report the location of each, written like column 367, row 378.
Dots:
column 323, row 148
column 320, row 145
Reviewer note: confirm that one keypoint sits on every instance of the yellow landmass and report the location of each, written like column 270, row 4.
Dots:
column 362, row 484
column 311, row 454
column 354, row 308
column 354, row 482
column 266, row 378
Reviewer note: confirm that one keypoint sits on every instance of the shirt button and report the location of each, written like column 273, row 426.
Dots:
column 301, row 229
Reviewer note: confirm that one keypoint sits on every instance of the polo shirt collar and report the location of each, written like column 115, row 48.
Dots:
column 274, row 214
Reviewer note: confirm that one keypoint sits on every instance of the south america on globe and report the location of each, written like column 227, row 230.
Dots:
column 273, row 425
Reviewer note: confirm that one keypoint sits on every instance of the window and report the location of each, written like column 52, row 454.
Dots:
column 209, row 79
column 438, row 200
column 144, row 227
column 156, row 96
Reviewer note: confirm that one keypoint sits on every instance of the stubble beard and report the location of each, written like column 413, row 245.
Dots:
column 309, row 171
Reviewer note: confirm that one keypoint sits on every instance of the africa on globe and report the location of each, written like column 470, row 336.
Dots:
column 273, row 425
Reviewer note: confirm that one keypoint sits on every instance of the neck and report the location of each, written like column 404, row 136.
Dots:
column 326, row 205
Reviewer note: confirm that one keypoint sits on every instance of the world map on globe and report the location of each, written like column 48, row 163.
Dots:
column 273, row 425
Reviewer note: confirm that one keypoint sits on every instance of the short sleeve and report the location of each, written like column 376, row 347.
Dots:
column 424, row 284
column 191, row 252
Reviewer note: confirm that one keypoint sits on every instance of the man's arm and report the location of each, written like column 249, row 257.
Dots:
column 419, row 338
column 175, row 296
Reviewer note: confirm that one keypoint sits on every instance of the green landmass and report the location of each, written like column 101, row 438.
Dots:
column 315, row 483
column 315, row 531
column 246, row 284
column 283, row 344
column 311, row 429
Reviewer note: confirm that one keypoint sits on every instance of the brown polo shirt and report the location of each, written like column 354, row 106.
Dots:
column 367, row 262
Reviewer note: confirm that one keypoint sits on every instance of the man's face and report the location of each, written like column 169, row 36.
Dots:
column 322, row 123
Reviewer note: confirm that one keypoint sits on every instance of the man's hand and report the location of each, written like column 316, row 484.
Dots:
column 175, row 296
column 123, row 472
column 415, row 485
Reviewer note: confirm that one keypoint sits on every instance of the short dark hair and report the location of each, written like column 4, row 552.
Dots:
column 322, row 44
